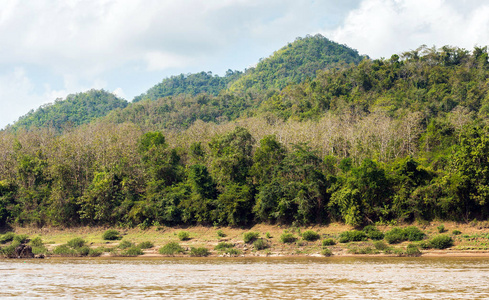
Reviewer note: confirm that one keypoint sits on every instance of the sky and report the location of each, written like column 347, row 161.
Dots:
column 52, row 48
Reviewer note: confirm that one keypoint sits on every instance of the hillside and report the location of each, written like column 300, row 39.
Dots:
column 76, row 109
column 429, row 81
column 190, row 84
column 181, row 100
column 293, row 63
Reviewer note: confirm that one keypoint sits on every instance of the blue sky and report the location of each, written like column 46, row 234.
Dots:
column 51, row 48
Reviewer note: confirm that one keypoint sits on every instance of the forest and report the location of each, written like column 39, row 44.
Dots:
column 313, row 134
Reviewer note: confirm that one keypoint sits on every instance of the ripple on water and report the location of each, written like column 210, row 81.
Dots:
column 265, row 278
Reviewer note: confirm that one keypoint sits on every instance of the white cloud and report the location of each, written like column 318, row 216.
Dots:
column 160, row 60
column 91, row 37
column 17, row 95
column 381, row 28
column 119, row 92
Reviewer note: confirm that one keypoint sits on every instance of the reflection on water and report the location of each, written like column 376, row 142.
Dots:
column 247, row 278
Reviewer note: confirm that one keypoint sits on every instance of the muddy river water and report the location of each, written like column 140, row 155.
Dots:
column 246, row 278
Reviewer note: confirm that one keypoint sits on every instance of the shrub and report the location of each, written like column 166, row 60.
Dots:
column 394, row 236
column 221, row 233
column 413, row 233
column 7, row 237
column 199, row 252
column 232, row 251
column 373, row 233
column 441, row 228
column 36, row 250
column 37, row 242
column 146, row 245
column 424, row 245
column 105, row 249
column 223, row 246
column 328, row 242
column 132, row 251
column 171, row 249
column 64, row 250
column 111, row 235
column 76, row 242
column 260, row 244
column 352, row 236
column 8, row 251
column 249, row 237
column 95, row 252
column 376, row 235
column 397, row 235
column 363, row 250
column 287, row 238
column 412, row 250
column 456, row 232
column 125, row 244
column 310, row 235
column 327, row 252
column 380, row 245
column 268, row 235
column 398, row 251
column 22, row 238
column 83, row 251
column 183, row 236
column 441, row 242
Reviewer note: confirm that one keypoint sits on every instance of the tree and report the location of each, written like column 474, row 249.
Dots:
column 363, row 194
column 267, row 157
column 297, row 191
column 470, row 171
column 231, row 158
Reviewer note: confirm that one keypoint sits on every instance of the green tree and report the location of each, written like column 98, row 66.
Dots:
column 364, row 194
column 470, row 172
column 267, row 157
column 297, row 191
column 8, row 207
column 231, row 157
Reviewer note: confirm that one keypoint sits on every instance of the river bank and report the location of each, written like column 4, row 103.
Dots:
column 469, row 240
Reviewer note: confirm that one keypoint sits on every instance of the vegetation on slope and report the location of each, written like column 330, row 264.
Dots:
column 295, row 63
column 190, row 84
column 73, row 111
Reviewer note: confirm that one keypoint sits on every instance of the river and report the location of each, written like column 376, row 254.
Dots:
column 246, row 278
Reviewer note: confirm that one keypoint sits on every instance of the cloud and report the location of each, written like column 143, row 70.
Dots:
column 381, row 28
column 119, row 92
column 90, row 37
column 18, row 95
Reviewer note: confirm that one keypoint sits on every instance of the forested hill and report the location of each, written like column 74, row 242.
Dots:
column 190, row 84
column 291, row 64
column 431, row 82
column 183, row 99
column 179, row 101
column 295, row 63
column 76, row 109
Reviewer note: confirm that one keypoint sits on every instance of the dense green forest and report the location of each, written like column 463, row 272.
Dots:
column 295, row 63
column 383, row 141
column 190, row 84
column 75, row 110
